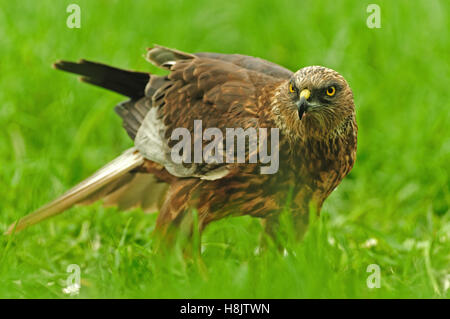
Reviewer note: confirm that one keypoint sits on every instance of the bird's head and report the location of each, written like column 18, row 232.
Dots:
column 316, row 99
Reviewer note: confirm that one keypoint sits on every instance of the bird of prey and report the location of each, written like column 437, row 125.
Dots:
column 312, row 109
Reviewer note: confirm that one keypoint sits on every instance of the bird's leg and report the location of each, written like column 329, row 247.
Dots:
column 283, row 229
column 269, row 237
column 178, row 222
column 184, row 231
column 168, row 234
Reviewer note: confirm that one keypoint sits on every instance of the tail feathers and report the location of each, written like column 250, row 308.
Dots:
column 107, row 175
column 128, row 83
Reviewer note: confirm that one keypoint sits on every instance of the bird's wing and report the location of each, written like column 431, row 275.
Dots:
column 251, row 63
column 221, row 90
column 219, row 93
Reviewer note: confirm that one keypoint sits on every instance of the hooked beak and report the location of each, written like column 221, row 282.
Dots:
column 302, row 103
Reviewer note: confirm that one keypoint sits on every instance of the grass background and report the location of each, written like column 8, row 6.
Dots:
column 55, row 131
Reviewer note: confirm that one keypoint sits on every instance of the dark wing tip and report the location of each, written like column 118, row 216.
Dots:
column 66, row 66
column 58, row 64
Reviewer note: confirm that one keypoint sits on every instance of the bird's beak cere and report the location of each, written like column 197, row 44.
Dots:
column 302, row 103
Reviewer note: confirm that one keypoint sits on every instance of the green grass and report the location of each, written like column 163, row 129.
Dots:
column 55, row 131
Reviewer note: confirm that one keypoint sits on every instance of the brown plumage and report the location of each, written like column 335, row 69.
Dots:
column 312, row 108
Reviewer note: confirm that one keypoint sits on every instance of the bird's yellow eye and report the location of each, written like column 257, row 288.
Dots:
column 331, row 90
column 291, row 88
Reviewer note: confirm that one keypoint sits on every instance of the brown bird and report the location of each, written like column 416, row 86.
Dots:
column 311, row 128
